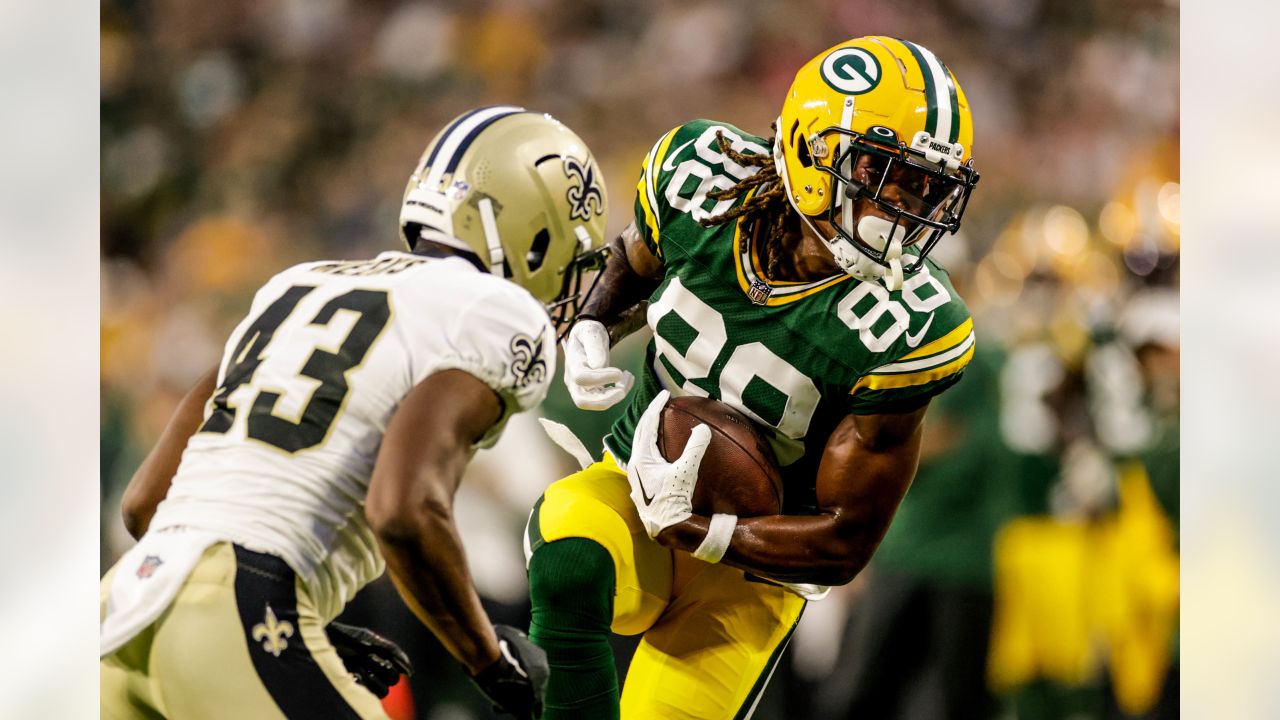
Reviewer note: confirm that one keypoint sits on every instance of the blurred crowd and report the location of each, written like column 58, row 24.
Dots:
column 1032, row 570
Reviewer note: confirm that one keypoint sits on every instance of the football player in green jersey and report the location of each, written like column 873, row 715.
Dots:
column 788, row 278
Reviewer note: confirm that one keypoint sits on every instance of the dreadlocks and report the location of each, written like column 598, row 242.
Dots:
column 768, row 206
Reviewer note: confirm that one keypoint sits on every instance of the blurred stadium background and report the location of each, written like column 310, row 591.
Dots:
column 1033, row 569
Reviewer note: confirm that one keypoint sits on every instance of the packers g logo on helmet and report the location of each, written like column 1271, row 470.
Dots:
column 851, row 70
column 865, row 114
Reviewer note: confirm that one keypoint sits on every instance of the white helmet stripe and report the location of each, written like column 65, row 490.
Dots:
column 940, row 83
column 846, row 204
column 454, row 143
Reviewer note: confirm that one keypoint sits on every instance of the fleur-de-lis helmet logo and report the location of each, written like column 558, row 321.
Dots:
column 584, row 195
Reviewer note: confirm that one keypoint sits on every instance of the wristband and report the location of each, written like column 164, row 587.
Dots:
column 719, row 535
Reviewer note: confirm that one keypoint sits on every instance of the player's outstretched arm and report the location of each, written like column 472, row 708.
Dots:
column 613, row 310
column 865, row 471
column 630, row 274
column 150, row 483
column 410, row 508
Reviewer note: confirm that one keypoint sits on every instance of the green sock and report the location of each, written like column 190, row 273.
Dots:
column 571, row 586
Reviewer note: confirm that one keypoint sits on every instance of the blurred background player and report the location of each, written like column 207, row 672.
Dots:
column 241, row 138
column 335, row 433
column 789, row 278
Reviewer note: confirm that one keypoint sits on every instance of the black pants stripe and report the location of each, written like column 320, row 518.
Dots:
column 266, row 598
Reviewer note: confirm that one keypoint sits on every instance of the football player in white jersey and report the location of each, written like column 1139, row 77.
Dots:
column 333, row 436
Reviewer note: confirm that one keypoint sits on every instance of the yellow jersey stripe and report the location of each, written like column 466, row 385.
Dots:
column 647, row 188
column 776, row 300
column 891, row 382
column 910, row 366
column 737, row 246
column 781, row 298
column 944, row 343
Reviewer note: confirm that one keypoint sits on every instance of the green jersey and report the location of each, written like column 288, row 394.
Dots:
column 795, row 357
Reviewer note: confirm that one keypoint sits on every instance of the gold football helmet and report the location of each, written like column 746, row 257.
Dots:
column 864, row 112
column 517, row 192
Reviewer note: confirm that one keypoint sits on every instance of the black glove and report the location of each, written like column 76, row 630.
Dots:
column 376, row 662
column 514, row 683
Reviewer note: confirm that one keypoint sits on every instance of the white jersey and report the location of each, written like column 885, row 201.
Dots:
column 309, row 381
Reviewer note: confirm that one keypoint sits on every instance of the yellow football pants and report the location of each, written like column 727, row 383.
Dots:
column 711, row 636
column 242, row 639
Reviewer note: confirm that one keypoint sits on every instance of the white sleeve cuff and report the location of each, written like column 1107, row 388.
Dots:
column 719, row 535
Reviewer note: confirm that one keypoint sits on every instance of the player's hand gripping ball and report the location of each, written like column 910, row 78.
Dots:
column 695, row 454
column 738, row 474
column 662, row 489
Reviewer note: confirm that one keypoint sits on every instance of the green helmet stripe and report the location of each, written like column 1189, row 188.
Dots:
column 930, row 92
column 940, row 91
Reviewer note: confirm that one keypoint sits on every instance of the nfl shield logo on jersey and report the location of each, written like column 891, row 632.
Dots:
column 148, row 566
column 759, row 292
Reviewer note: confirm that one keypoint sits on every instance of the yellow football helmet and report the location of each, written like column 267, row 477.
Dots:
column 862, row 112
column 519, row 194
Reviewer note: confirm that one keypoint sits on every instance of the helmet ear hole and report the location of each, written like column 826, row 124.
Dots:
column 538, row 250
column 411, row 231
column 802, row 154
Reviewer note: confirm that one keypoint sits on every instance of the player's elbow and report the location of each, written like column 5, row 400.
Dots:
column 843, row 572
column 136, row 513
column 845, row 557
column 134, row 522
column 397, row 521
column 837, row 567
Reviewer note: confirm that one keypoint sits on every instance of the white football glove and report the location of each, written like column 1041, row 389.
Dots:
column 592, row 384
column 663, row 491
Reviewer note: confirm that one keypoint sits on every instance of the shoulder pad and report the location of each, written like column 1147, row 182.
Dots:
column 682, row 167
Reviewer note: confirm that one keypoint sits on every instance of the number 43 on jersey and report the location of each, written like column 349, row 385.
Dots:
column 327, row 366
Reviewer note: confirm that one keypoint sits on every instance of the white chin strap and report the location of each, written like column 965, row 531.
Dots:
column 874, row 231
column 494, row 241
column 879, row 233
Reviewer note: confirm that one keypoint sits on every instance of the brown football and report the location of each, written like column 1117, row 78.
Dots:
column 738, row 475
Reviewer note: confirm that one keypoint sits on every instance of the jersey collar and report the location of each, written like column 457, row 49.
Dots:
column 751, row 277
